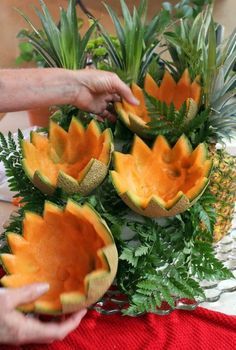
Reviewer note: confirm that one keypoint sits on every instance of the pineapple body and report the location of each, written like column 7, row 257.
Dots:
column 223, row 187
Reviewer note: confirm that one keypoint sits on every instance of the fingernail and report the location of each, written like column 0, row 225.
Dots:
column 42, row 287
column 134, row 101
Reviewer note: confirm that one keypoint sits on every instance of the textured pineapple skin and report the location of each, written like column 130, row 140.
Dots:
column 223, row 187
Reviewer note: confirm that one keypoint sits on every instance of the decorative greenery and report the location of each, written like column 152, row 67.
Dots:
column 164, row 262
column 137, row 40
column 172, row 123
column 28, row 53
column 60, row 46
column 193, row 44
column 186, row 8
column 31, row 198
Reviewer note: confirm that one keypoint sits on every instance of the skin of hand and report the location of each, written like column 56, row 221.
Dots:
column 17, row 328
column 97, row 88
column 88, row 89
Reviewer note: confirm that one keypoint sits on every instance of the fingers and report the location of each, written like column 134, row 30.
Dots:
column 112, row 98
column 14, row 297
column 123, row 90
column 116, row 98
column 35, row 331
column 108, row 115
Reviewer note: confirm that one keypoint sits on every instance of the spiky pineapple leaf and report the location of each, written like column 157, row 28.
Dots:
column 59, row 45
column 137, row 40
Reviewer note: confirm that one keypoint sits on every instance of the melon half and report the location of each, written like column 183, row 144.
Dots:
column 136, row 118
column 161, row 181
column 76, row 161
column 71, row 249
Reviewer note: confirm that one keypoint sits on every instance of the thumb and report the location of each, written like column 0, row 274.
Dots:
column 26, row 294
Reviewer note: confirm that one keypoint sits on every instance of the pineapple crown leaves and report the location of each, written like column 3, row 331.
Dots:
column 137, row 40
column 60, row 45
column 222, row 92
column 191, row 44
column 195, row 44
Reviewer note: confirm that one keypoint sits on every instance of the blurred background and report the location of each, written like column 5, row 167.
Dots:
column 11, row 21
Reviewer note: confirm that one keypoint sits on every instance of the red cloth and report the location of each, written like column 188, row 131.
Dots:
column 185, row 330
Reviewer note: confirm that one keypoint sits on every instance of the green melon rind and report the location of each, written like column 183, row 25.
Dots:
column 43, row 183
column 110, row 144
column 134, row 123
column 95, row 173
column 155, row 209
column 192, row 110
column 139, row 127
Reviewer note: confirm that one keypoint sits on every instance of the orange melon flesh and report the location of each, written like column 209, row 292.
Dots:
column 151, row 87
column 162, row 172
column 136, row 117
column 183, row 90
column 61, row 248
column 68, row 153
column 167, row 89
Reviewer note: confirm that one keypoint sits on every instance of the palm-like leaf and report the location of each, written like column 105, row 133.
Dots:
column 193, row 44
column 60, row 45
column 137, row 40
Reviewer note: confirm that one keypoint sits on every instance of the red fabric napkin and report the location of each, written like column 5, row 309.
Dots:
column 186, row 330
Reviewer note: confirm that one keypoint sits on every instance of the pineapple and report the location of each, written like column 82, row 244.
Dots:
column 194, row 44
column 59, row 45
column 223, row 186
column 137, row 40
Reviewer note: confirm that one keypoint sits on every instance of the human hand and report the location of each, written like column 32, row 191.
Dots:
column 97, row 88
column 17, row 328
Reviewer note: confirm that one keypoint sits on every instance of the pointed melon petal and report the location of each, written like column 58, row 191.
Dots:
column 151, row 87
column 58, row 138
column 167, row 88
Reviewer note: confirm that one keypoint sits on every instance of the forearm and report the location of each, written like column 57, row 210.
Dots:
column 22, row 89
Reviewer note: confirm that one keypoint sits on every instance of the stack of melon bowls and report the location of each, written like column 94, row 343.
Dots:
column 137, row 203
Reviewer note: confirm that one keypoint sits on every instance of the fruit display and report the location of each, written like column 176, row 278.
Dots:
column 137, row 200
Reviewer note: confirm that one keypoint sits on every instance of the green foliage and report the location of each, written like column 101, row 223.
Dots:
column 172, row 123
column 60, row 46
column 222, row 90
column 28, row 53
column 193, row 43
column 166, row 261
column 32, row 198
column 186, row 8
column 98, row 52
column 137, row 40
